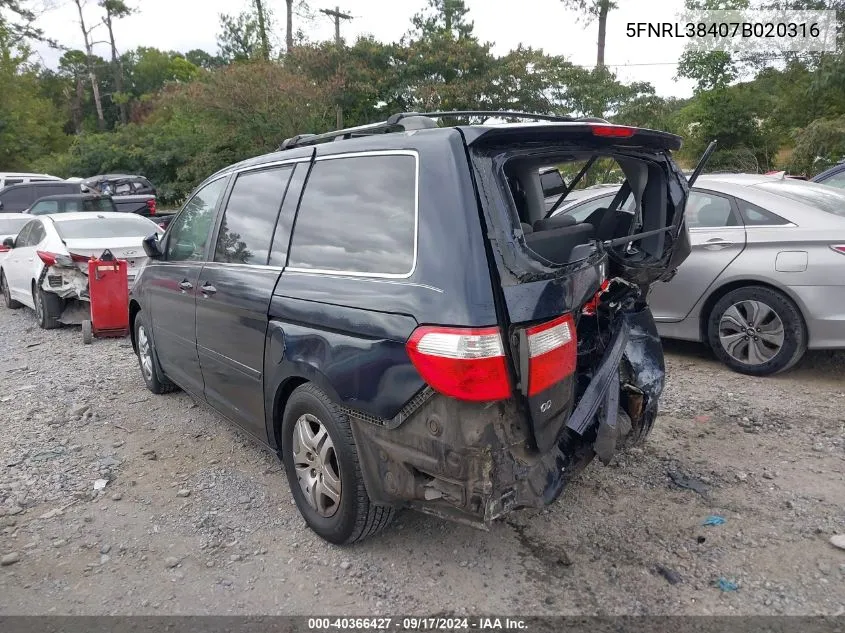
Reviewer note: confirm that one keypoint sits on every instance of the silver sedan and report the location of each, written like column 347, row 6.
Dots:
column 766, row 276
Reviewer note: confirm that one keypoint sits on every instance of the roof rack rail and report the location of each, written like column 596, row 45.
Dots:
column 405, row 121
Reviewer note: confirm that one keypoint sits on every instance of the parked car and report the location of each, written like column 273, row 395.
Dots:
column 763, row 281
column 72, row 202
column 391, row 313
column 47, row 266
column 10, row 226
column 16, row 178
column 17, row 198
column 131, row 194
column 833, row 177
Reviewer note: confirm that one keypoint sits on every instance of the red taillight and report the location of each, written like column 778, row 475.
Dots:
column 80, row 259
column 4, row 249
column 613, row 131
column 49, row 259
column 151, row 205
column 57, row 259
column 839, row 248
column 464, row 363
column 552, row 353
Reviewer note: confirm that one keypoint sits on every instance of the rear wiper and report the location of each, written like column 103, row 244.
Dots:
column 568, row 188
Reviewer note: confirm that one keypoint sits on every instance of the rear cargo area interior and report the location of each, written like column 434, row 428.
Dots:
column 557, row 238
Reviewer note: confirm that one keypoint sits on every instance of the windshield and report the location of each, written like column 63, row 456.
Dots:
column 11, row 226
column 100, row 227
column 821, row 197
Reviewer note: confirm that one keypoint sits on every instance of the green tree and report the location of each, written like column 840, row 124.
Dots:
column 116, row 10
column 239, row 40
column 30, row 125
column 595, row 10
column 203, row 59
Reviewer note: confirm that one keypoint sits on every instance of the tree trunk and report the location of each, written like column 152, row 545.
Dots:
column 117, row 65
column 89, row 62
column 262, row 31
column 604, row 7
column 289, row 26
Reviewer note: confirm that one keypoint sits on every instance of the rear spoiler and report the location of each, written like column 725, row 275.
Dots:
column 598, row 134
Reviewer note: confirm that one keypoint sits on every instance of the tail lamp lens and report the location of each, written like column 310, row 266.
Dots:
column 552, row 353
column 464, row 363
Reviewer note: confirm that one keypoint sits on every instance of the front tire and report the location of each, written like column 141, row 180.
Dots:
column 7, row 294
column 321, row 462
column 757, row 331
column 48, row 308
column 148, row 360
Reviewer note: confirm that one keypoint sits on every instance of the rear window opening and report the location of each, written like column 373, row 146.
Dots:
column 540, row 188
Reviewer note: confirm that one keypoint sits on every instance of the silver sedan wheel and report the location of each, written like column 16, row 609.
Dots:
column 316, row 465
column 145, row 354
column 751, row 332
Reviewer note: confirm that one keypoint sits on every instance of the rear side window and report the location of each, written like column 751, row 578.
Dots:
column 45, row 206
column 12, row 181
column 358, row 215
column 98, row 204
column 37, row 234
column 707, row 211
column 250, row 217
column 753, row 215
column 822, row 197
column 16, row 199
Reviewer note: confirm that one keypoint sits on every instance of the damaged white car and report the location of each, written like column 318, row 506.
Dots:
column 46, row 267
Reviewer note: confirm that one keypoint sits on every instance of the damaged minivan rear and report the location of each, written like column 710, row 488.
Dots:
column 416, row 327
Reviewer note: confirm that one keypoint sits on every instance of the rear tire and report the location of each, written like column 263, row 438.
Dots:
column 154, row 378
column 757, row 331
column 7, row 294
column 48, row 308
column 321, row 462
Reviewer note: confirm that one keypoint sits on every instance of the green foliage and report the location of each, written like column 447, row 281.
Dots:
column 29, row 123
column 239, row 38
column 819, row 146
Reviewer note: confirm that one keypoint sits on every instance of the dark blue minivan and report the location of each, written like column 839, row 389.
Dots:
column 395, row 312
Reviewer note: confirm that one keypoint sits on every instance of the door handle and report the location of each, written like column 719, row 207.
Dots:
column 717, row 243
column 208, row 289
column 186, row 285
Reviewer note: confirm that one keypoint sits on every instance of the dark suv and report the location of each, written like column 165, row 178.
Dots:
column 396, row 316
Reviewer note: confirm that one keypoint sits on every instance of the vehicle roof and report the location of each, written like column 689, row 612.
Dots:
column 74, row 196
column 26, row 174
column 114, row 177
column 53, row 183
column 90, row 215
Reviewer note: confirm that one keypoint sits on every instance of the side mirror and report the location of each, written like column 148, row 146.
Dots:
column 9, row 242
column 152, row 248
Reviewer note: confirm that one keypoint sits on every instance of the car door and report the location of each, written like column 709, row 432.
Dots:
column 172, row 285
column 717, row 237
column 21, row 260
column 235, row 288
column 16, row 199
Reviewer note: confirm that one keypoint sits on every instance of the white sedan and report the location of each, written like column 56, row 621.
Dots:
column 46, row 267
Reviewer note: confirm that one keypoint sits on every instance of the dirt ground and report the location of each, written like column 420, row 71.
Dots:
column 197, row 519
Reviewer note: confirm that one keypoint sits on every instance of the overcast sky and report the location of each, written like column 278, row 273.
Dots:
column 186, row 24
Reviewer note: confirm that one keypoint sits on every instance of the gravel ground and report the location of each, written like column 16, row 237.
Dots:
column 196, row 518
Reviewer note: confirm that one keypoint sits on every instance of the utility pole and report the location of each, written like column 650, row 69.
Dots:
column 337, row 16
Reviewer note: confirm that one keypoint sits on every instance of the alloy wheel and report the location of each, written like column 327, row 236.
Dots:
column 751, row 332
column 145, row 354
column 316, row 464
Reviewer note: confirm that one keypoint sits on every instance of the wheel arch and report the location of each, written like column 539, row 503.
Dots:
column 134, row 309
column 714, row 297
column 280, row 401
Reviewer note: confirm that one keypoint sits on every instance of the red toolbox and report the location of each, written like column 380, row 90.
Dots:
column 108, row 289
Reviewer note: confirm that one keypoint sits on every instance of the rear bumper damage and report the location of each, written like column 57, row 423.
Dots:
column 475, row 463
